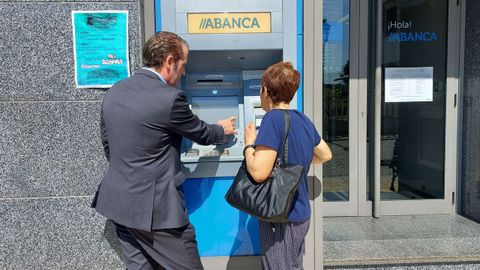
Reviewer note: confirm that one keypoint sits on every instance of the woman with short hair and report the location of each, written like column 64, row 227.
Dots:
column 283, row 244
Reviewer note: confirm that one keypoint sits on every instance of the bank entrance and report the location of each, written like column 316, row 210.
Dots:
column 388, row 107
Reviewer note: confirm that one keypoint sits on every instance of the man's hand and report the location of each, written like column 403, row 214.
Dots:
column 228, row 125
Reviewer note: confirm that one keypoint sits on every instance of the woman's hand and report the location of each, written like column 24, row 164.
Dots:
column 250, row 134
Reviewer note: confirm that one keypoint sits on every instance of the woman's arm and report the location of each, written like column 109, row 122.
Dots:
column 321, row 153
column 259, row 160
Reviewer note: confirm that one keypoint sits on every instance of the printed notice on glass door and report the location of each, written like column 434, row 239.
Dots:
column 412, row 84
column 100, row 45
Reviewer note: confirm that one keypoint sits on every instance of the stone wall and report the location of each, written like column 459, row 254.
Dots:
column 51, row 157
column 470, row 183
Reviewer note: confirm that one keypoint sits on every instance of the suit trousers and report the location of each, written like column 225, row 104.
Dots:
column 166, row 249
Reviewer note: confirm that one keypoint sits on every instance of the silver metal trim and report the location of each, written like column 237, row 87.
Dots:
column 290, row 37
column 378, row 108
column 148, row 19
column 364, row 206
column 167, row 9
column 313, row 77
column 451, row 111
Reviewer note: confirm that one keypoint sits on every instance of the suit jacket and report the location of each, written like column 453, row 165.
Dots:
column 142, row 124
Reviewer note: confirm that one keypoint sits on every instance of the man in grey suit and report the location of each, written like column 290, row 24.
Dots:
column 144, row 118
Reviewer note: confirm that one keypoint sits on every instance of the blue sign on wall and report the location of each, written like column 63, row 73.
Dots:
column 100, row 40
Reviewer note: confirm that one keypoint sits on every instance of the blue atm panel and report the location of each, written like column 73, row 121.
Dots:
column 221, row 229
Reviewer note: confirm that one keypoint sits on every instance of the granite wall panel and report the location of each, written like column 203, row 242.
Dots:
column 50, row 149
column 36, row 48
column 56, row 233
column 470, row 180
column 51, row 158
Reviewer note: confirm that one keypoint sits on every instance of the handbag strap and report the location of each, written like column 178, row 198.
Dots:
column 286, row 115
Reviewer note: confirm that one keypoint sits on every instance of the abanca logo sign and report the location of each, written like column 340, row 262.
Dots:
column 413, row 37
column 229, row 23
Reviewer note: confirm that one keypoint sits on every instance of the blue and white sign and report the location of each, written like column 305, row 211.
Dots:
column 402, row 31
column 100, row 44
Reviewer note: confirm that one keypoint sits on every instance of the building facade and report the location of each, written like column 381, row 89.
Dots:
column 391, row 85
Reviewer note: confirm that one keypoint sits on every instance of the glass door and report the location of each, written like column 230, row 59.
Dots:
column 344, row 50
column 417, row 107
column 409, row 165
column 336, row 97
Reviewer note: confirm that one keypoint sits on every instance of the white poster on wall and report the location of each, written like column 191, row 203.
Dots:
column 409, row 84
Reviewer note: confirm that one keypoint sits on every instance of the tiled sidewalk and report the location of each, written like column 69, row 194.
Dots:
column 402, row 240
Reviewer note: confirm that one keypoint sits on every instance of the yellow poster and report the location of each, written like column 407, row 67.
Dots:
column 229, row 23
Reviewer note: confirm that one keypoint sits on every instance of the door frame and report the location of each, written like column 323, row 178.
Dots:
column 431, row 206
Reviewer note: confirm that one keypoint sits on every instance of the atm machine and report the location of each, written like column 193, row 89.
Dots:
column 231, row 43
column 215, row 95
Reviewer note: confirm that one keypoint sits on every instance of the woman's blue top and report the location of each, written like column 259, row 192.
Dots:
column 302, row 139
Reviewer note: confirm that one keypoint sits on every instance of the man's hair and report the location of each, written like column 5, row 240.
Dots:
column 281, row 81
column 161, row 45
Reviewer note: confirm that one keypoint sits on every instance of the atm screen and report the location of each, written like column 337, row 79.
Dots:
column 212, row 109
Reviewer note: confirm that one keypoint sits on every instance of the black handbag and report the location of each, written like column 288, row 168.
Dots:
column 271, row 200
